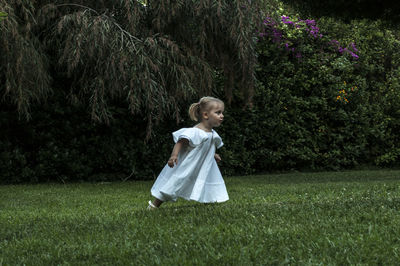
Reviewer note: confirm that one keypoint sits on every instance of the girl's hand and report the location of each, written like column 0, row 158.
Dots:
column 217, row 157
column 172, row 161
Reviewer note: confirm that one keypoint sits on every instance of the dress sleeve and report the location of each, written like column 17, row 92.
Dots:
column 218, row 140
column 194, row 136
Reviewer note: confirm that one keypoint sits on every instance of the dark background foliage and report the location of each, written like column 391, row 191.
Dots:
column 348, row 10
column 296, row 121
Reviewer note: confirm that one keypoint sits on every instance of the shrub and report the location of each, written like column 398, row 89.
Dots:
column 325, row 92
column 327, row 98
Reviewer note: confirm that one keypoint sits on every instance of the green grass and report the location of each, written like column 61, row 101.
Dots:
column 315, row 218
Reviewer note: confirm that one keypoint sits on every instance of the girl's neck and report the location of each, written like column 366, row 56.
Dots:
column 204, row 127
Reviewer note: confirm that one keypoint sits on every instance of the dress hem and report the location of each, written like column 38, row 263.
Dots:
column 173, row 199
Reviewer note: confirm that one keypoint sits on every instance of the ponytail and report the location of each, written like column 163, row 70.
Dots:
column 194, row 112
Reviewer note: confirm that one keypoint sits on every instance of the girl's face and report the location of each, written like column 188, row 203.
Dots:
column 215, row 115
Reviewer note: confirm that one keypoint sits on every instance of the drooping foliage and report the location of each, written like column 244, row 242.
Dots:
column 151, row 56
column 3, row 15
column 24, row 75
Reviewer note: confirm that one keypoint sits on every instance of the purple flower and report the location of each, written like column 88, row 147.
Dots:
column 273, row 31
column 286, row 20
column 353, row 45
column 310, row 21
column 353, row 54
column 269, row 22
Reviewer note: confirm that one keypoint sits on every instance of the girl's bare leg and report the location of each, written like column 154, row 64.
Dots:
column 157, row 202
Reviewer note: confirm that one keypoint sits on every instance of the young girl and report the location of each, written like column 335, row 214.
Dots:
column 192, row 172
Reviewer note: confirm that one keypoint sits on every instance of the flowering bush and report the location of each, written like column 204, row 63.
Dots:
column 291, row 34
column 345, row 93
column 324, row 93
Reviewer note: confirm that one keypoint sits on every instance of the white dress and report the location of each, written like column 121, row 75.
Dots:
column 196, row 176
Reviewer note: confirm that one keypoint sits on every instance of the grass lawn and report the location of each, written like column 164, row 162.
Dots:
column 330, row 218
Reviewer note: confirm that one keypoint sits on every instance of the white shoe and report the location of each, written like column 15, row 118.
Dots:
column 151, row 206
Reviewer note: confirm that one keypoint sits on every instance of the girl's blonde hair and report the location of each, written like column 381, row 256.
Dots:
column 204, row 104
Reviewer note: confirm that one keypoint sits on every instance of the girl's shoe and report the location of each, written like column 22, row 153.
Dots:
column 151, row 206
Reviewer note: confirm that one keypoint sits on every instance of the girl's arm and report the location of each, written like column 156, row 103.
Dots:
column 217, row 157
column 173, row 159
